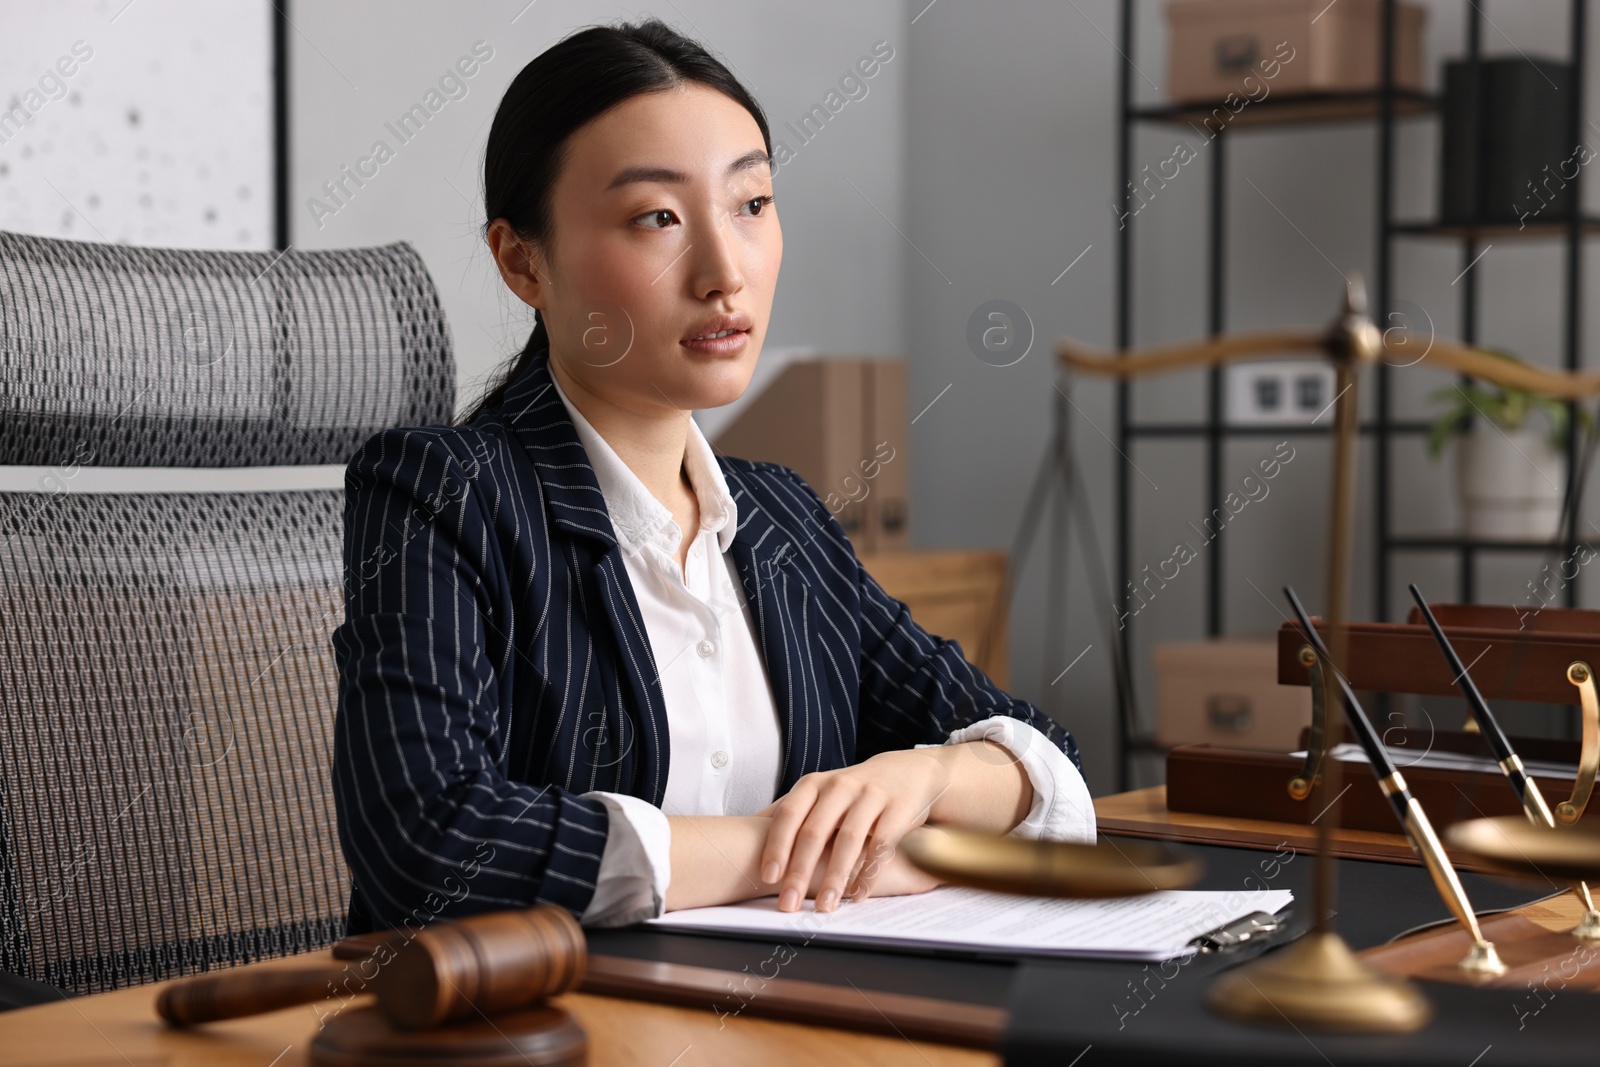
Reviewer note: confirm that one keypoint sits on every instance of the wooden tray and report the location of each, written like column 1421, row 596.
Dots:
column 1535, row 952
column 1241, row 784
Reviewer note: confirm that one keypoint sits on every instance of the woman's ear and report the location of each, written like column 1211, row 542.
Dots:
column 515, row 256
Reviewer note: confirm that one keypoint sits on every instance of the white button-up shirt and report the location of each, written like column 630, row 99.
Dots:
column 722, row 717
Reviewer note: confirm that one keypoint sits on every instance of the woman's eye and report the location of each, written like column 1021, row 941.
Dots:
column 760, row 202
column 660, row 220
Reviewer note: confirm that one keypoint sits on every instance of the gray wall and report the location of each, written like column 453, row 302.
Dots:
column 981, row 165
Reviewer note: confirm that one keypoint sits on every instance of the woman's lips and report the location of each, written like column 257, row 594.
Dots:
column 730, row 345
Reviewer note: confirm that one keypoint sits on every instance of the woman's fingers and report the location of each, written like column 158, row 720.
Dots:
column 813, row 836
column 848, row 848
column 881, row 849
column 788, row 813
column 874, row 858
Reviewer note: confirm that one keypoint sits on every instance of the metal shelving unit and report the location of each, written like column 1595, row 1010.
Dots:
column 1384, row 107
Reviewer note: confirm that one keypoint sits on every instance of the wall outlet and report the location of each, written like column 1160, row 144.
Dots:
column 1292, row 392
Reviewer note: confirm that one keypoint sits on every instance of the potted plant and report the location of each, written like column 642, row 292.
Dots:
column 1511, row 463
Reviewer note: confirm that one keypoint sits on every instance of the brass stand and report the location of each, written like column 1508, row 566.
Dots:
column 1318, row 981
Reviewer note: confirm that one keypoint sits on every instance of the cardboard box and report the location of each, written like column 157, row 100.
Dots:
column 1215, row 45
column 840, row 422
column 1226, row 692
column 888, row 443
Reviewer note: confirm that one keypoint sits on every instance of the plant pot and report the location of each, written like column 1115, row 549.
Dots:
column 1511, row 483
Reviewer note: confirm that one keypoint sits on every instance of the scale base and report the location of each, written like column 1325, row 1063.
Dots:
column 1318, row 983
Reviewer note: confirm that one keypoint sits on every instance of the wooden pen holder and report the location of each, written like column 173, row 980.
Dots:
column 1542, row 656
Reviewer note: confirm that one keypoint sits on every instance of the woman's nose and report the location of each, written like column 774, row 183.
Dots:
column 717, row 258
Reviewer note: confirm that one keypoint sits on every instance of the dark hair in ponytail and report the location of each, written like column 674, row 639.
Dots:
column 566, row 86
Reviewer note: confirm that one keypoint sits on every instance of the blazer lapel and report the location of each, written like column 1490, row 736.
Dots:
column 536, row 417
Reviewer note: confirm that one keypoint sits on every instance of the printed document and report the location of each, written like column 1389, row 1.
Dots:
column 1156, row 926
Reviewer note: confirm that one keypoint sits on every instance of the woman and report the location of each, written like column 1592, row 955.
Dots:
column 585, row 660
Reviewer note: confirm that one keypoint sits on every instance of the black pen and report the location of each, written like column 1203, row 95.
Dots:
column 1526, row 788
column 1510, row 763
column 1482, row 958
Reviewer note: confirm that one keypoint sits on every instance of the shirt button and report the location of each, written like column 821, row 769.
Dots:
column 719, row 759
column 706, row 648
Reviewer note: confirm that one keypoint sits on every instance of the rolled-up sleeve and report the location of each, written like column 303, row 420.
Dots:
column 429, row 823
column 637, row 866
column 1062, row 809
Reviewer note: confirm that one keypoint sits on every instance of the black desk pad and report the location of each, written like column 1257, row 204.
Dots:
column 967, row 981
column 1377, row 901
column 1155, row 1013
column 1064, row 1017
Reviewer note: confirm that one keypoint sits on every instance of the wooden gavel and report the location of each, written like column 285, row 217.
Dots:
column 489, row 963
column 430, row 984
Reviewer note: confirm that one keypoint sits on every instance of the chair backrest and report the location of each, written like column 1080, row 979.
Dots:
column 167, row 688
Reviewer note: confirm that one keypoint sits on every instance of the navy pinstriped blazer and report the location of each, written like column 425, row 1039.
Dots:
column 493, row 663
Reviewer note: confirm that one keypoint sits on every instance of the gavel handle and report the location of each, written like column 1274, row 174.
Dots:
column 231, row 995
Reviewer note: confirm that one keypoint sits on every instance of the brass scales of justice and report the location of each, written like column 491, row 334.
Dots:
column 1318, row 981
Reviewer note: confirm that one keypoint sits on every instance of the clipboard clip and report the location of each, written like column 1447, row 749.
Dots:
column 1257, row 924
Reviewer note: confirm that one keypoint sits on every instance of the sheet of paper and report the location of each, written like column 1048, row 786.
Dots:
column 1157, row 926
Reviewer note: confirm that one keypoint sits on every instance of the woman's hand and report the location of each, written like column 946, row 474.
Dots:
column 852, row 820
column 894, row 875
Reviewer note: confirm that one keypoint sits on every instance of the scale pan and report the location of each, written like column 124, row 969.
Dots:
column 1050, row 868
column 1513, row 845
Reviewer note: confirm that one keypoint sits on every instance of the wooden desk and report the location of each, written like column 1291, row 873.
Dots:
column 120, row 1029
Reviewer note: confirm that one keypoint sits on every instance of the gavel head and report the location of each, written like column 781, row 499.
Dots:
column 486, row 963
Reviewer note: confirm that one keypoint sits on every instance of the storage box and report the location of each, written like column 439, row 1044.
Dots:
column 1314, row 46
column 1227, row 693
column 888, row 444
column 840, row 422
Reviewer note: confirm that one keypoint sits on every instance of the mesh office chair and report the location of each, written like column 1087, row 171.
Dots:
column 167, row 687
